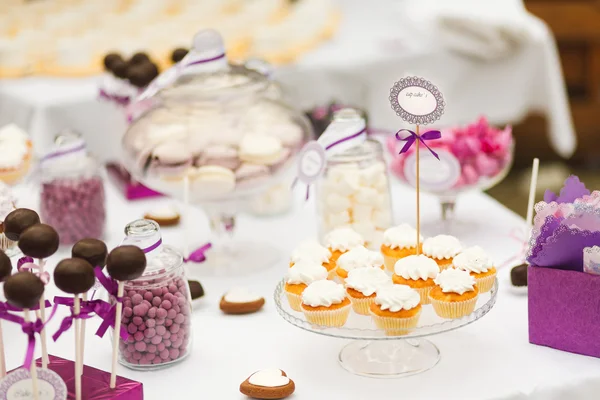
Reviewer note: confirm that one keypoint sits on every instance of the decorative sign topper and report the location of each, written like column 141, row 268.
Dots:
column 416, row 100
column 17, row 385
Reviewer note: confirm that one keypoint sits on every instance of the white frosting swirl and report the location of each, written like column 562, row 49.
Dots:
column 397, row 297
column 367, row 280
column 453, row 280
column 310, row 250
column 359, row 257
column 343, row 239
column 416, row 267
column 323, row 293
column 305, row 272
column 441, row 247
column 474, row 259
column 401, row 237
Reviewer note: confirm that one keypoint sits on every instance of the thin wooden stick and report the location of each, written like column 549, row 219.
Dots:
column 2, row 356
column 45, row 359
column 418, row 197
column 187, row 216
column 82, row 337
column 32, row 370
column 116, row 337
column 76, row 310
column 532, row 189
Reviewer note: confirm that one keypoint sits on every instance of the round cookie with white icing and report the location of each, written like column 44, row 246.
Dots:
column 241, row 301
column 164, row 216
column 442, row 249
column 268, row 384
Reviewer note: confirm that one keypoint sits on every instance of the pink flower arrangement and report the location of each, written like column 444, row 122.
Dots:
column 482, row 150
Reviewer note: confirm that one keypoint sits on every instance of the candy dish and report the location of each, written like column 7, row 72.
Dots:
column 374, row 354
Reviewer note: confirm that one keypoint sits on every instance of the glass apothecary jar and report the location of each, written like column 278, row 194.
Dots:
column 157, row 306
column 354, row 189
column 72, row 197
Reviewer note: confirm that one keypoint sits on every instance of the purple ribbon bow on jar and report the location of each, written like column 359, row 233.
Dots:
column 30, row 329
column 26, row 264
column 413, row 137
column 198, row 256
column 107, row 312
column 86, row 311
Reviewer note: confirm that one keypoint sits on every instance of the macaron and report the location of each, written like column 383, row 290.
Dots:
column 260, row 149
column 213, row 180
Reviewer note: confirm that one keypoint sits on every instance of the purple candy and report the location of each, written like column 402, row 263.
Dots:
column 166, row 304
column 140, row 346
column 173, row 288
column 130, row 348
column 151, row 348
column 160, row 321
column 136, row 355
column 174, row 354
column 137, row 321
column 156, row 340
column 161, row 313
column 138, row 336
column 150, row 323
column 156, row 301
column 130, row 339
column 127, row 312
column 127, row 303
column 150, row 355
column 140, row 310
column 167, row 343
column 160, row 330
column 136, row 299
column 150, row 332
column 166, row 335
column 160, row 347
column 148, row 296
column 171, row 314
column 152, row 312
column 168, row 322
column 174, row 328
column 131, row 328
column 163, row 354
column 157, row 292
column 168, row 296
column 177, row 343
column 178, row 319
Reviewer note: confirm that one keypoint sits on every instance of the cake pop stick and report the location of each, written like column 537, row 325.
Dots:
column 532, row 189
column 40, row 241
column 75, row 276
column 124, row 263
column 5, row 271
column 24, row 290
column 188, row 217
column 94, row 251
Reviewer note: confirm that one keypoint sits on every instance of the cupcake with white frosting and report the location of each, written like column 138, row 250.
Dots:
column 361, row 285
column 455, row 294
column 358, row 257
column 16, row 150
column 399, row 242
column 312, row 251
column 476, row 262
column 325, row 303
column 418, row 272
column 341, row 240
column 442, row 249
column 396, row 309
column 299, row 277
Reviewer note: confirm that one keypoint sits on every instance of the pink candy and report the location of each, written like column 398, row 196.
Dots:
column 158, row 324
column 75, row 207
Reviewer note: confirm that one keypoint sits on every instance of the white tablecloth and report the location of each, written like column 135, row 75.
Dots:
column 374, row 47
column 490, row 359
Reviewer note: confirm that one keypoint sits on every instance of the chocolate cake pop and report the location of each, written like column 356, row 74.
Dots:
column 139, row 58
column 196, row 289
column 23, row 289
column 93, row 251
column 74, row 275
column 126, row 263
column 120, row 69
column 141, row 75
column 19, row 220
column 110, row 59
column 39, row 241
column 178, row 54
column 5, row 266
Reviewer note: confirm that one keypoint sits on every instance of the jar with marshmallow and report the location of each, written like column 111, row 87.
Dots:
column 72, row 197
column 354, row 190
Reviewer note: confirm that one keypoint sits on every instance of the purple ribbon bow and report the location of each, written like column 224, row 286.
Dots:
column 30, row 329
column 413, row 137
column 120, row 100
column 25, row 264
column 198, row 256
column 108, row 315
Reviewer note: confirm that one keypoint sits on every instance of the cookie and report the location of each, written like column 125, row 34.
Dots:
column 268, row 384
column 241, row 301
column 260, row 149
column 165, row 216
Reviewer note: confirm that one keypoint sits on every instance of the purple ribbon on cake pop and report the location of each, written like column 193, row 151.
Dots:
column 413, row 137
column 26, row 264
column 108, row 316
column 120, row 100
column 520, row 235
column 86, row 311
column 198, row 256
column 30, row 329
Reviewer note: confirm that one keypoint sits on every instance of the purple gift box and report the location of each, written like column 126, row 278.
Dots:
column 563, row 310
column 94, row 382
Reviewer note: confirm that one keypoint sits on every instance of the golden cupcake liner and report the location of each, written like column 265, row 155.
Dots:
column 334, row 318
column 361, row 305
column 455, row 309
column 396, row 326
column 485, row 284
column 295, row 301
column 390, row 262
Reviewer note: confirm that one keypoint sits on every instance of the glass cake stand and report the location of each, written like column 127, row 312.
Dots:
column 375, row 355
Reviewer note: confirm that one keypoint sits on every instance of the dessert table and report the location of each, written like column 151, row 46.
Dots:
column 489, row 359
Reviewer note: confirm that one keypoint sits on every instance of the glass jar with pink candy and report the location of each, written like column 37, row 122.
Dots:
column 472, row 157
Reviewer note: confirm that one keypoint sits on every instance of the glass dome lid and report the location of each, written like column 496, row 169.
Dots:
column 215, row 124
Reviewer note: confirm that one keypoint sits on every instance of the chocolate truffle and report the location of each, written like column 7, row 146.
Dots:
column 178, row 54
column 23, row 289
column 110, row 59
column 93, row 251
column 5, row 266
column 196, row 289
column 518, row 275
column 139, row 58
column 39, row 241
column 19, row 220
column 126, row 263
column 74, row 275
column 120, row 69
